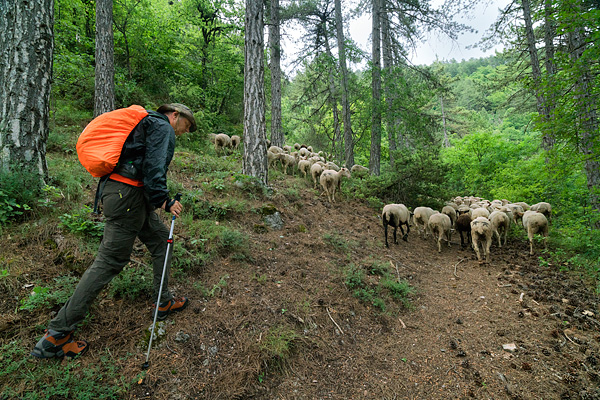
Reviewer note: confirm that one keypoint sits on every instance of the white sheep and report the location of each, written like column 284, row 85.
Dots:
column 287, row 160
column 480, row 212
column 332, row 165
column 481, row 231
column 330, row 180
column 395, row 215
column 535, row 222
column 315, row 171
column 439, row 225
column 304, row 166
column 235, row 141
column 421, row 218
column 359, row 171
column 543, row 208
column 523, row 204
column 451, row 213
column 222, row 141
column 500, row 223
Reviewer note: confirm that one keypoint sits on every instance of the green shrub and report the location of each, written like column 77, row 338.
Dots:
column 134, row 281
column 19, row 192
column 49, row 296
column 81, row 223
column 279, row 341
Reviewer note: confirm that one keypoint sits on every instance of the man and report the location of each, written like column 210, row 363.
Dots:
column 136, row 187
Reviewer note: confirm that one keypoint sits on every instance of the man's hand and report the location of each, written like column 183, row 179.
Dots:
column 172, row 206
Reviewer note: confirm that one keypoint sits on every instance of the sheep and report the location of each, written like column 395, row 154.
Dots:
column 297, row 146
column 359, row 170
column 463, row 224
column 275, row 149
column 535, row 222
column 480, row 212
column 222, row 141
column 331, row 165
column 481, row 230
column 500, row 223
column 396, row 215
column 211, row 137
column 287, row 149
column 514, row 208
column 304, row 166
column 272, row 158
column 421, row 217
column 330, row 180
column 315, row 171
column 523, row 204
column 543, row 208
column 235, row 141
column 439, row 225
column 451, row 213
column 287, row 160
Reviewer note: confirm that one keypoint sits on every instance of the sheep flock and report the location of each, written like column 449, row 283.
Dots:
column 479, row 222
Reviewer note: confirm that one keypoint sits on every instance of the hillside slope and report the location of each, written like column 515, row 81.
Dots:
column 298, row 312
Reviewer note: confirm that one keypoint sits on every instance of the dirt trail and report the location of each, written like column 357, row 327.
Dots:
column 285, row 326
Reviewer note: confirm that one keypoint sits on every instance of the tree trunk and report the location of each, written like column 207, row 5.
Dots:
column 375, row 160
column 333, row 99
column 277, row 138
column 587, row 120
column 26, row 51
column 446, row 141
column 549, row 138
column 348, row 140
column 104, row 96
column 547, row 142
column 255, row 140
column 388, row 66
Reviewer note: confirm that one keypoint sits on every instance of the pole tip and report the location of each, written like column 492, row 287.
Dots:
column 146, row 365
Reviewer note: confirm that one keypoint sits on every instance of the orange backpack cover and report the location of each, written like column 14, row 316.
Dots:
column 99, row 145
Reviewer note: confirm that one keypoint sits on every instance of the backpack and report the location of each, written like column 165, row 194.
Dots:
column 100, row 144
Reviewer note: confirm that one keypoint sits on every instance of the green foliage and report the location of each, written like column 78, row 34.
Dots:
column 337, row 240
column 132, row 282
column 217, row 287
column 19, row 191
column 48, row 296
column 361, row 281
column 57, row 380
column 81, row 223
column 279, row 341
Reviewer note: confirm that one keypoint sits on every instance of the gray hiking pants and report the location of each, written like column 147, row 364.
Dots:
column 128, row 215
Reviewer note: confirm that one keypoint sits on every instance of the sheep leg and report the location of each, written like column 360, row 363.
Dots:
column 476, row 247
column 488, row 243
column 439, row 240
column 530, row 236
column 462, row 240
column 385, row 229
column 449, row 235
column 405, row 235
column 496, row 234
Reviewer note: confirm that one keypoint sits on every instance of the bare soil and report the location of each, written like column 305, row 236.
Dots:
column 510, row 329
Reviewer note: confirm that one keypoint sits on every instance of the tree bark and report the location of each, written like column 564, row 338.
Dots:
column 26, row 51
column 392, row 120
column 255, row 140
column 104, row 96
column 333, row 98
column 348, row 139
column 375, row 159
column 277, row 138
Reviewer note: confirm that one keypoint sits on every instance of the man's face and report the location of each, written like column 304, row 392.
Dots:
column 180, row 124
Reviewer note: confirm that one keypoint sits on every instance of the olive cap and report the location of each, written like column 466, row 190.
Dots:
column 181, row 109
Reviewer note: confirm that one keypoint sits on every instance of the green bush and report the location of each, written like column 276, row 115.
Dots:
column 19, row 192
column 81, row 223
column 48, row 296
column 133, row 281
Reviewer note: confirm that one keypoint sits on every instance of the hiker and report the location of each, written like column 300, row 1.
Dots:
column 130, row 194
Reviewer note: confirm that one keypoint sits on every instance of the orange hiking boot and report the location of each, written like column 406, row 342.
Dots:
column 59, row 344
column 173, row 305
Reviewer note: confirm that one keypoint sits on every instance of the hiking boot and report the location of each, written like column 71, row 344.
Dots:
column 173, row 305
column 59, row 344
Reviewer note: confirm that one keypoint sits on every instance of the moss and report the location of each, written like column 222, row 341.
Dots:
column 268, row 209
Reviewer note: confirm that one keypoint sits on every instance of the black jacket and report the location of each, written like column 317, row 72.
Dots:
column 146, row 156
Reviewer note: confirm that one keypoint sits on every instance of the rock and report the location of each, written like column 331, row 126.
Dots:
column 274, row 221
column 510, row 347
column 181, row 337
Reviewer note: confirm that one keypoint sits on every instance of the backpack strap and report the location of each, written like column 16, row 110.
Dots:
column 99, row 191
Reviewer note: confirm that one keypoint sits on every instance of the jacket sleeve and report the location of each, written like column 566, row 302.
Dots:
column 160, row 146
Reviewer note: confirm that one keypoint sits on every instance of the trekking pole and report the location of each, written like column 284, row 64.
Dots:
column 162, row 279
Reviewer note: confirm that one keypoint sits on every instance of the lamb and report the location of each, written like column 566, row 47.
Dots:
column 481, row 230
column 451, row 213
column 287, row 160
column 463, row 224
column 235, row 141
column 421, row 218
column 222, row 141
column 535, row 222
column 439, row 225
column 500, row 223
column 543, row 208
column 315, row 171
column 396, row 215
column 330, row 180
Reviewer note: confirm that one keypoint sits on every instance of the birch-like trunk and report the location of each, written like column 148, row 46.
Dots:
column 277, row 138
column 375, row 159
column 337, row 131
column 348, row 140
column 26, row 51
column 255, row 139
column 104, row 94
column 392, row 118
